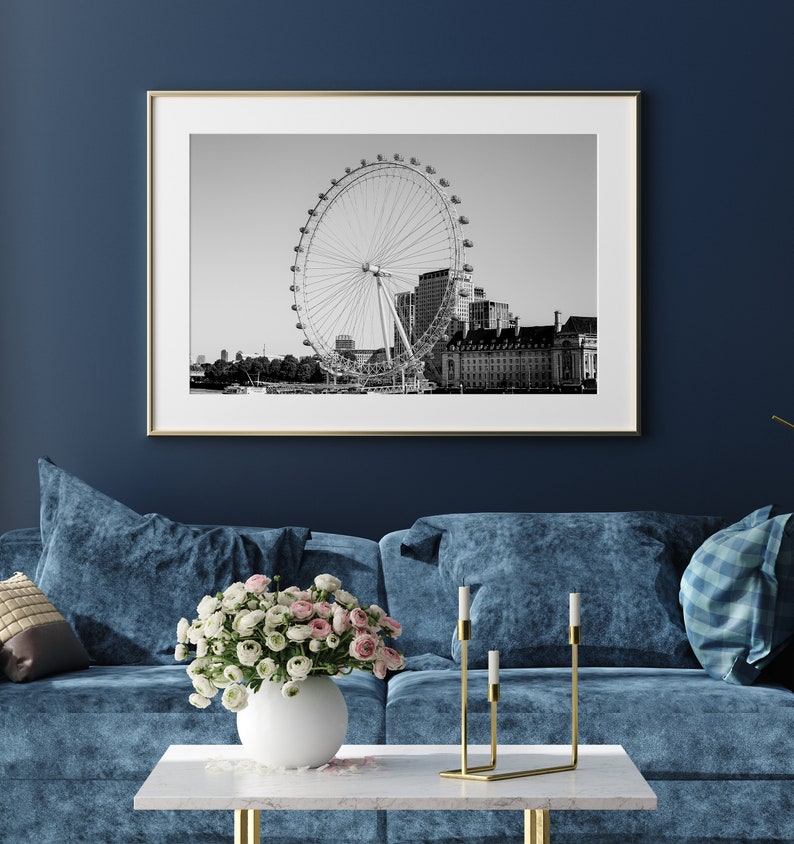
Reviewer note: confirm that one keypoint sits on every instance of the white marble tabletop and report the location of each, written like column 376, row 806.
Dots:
column 395, row 777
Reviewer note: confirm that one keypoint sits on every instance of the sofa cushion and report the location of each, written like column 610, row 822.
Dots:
column 123, row 580
column 737, row 595
column 35, row 639
column 673, row 723
column 522, row 566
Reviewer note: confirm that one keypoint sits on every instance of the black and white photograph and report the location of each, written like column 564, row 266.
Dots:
column 394, row 264
column 418, row 264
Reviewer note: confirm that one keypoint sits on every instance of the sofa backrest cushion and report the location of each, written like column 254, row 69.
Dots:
column 521, row 568
column 123, row 580
column 737, row 596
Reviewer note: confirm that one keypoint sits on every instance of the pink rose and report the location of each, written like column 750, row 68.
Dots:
column 301, row 610
column 320, row 628
column 391, row 626
column 358, row 618
column 341, row 620
column 323, row 609
column 257, row 584
column 379, row 669
column 363, row 647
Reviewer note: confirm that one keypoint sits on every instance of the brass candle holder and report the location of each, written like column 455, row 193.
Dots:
column 478, row 772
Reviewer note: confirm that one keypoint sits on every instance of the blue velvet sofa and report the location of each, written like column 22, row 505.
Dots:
column 77, row 745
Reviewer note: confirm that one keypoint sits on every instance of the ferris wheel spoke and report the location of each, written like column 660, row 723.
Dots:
column 420, row 231
column 398, row 206
column 405, row 216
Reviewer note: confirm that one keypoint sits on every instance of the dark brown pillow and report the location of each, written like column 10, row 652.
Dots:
column 36, row 640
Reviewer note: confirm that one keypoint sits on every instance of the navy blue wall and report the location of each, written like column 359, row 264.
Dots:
column 717, row 285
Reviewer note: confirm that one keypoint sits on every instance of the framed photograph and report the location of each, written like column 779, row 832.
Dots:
column 371, row 263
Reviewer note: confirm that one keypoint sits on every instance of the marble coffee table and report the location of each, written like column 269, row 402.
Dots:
column 400, row 777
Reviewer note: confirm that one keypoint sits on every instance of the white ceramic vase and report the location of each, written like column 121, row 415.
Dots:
column 305, row 730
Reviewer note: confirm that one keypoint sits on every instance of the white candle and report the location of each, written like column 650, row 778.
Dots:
column 575, row 604
column 463, row 603
column 493, row 668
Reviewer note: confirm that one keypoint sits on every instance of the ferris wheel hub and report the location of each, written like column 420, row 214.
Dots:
column 375, row 270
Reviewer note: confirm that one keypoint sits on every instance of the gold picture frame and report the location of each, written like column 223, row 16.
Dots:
column 552, row 346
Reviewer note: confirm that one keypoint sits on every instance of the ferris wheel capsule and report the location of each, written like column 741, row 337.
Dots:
column 295, row 268
column 455, row 199
column 295, row 307
column 298, row 248
column 305, row 342
column 468, row 268
column 299, row 326
column 444, row 183
column 312, row 212
column 464, row 221
column 381, row 157
column 430, row 170
column 348, row 170
column 468, row 243
column 415, row 161
column 364, row 162
column 294, row 288
column 398, row 157
column 334, row 181
column 322, row 196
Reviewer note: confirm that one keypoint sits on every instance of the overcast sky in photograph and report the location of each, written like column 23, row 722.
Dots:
column 531, row 200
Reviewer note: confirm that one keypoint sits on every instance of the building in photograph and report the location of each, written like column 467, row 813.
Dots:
column 559, row 357
column 486, row 313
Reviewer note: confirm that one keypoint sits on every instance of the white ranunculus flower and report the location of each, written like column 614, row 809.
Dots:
column 182, row 630
column 218, row 647
column 221, row 680
column 249, row 651
column 197, row 666
column 202, row 648
column 290, row 689
column 199, row 701
column 233, row 673
column 298, row 667
column 213, row 624
column 315, row 646
column 299, row 632
column 207, row 606
column 266, row 668
column 345, row 598
column 327, row 582
column 275, row 641
column 196, row 631
column 248, row 623
column 180, row 652
column 204, row 686
column 236, row 621
column 234, row 596
column 332, row 640
column 286, row 598
column 276, row 615
column 235, row 698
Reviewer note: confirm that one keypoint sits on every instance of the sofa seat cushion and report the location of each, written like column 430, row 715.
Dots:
column 674, row 723
column 116, row 721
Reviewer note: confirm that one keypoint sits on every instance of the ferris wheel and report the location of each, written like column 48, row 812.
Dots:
column 358, row 263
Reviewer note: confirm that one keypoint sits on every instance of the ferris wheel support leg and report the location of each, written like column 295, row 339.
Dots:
column 381, row 294
column 397, row 321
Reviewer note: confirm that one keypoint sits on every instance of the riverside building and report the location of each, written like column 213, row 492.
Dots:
column 561, row 357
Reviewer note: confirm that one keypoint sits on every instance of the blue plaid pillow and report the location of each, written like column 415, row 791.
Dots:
column 738, row 597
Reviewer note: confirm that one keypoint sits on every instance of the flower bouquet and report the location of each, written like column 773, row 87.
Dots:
column 250, row 634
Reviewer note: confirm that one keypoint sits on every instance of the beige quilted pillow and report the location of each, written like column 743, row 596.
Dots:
column 36, row 639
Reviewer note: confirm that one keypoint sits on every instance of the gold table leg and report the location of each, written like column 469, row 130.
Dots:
column 536, row 826
column 246, row 826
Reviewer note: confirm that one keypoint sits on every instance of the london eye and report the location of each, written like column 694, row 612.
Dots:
column 363, row 247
